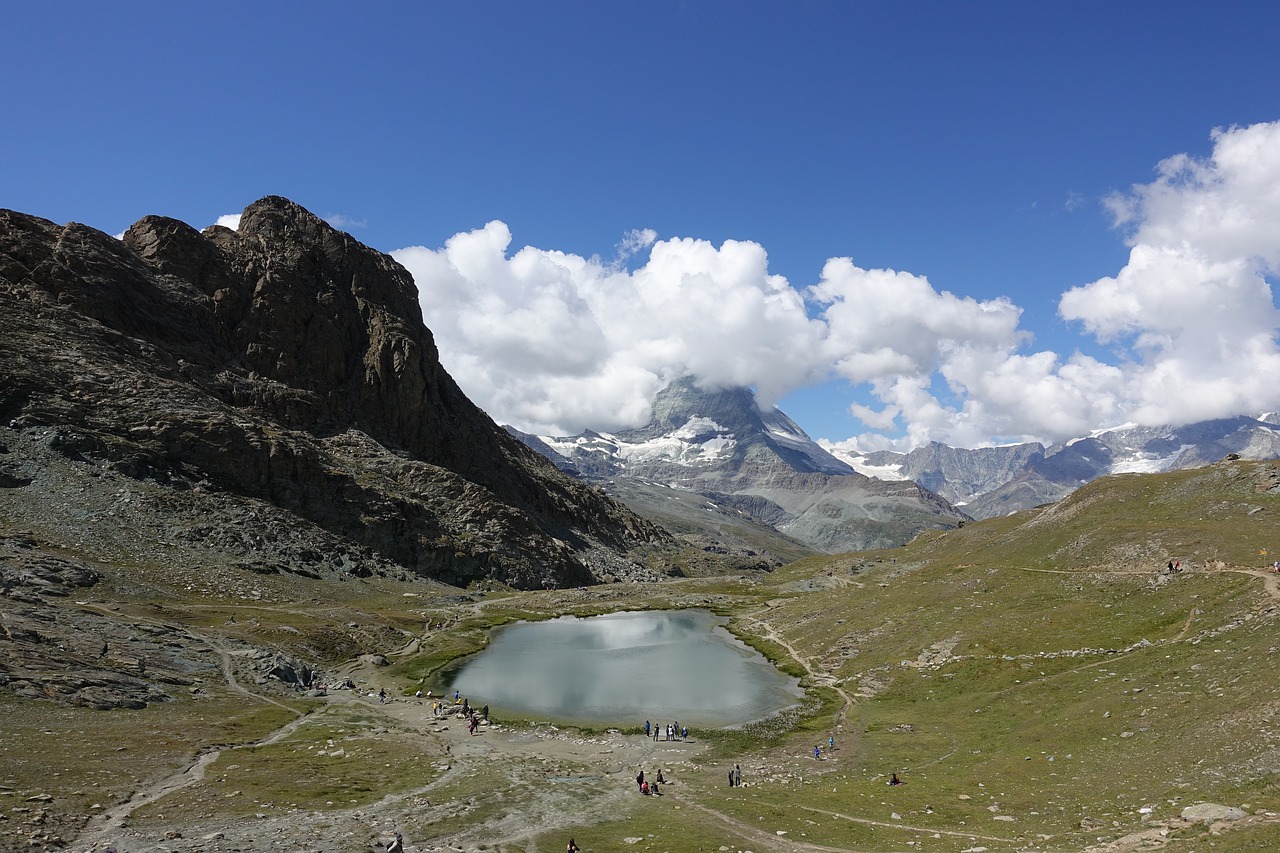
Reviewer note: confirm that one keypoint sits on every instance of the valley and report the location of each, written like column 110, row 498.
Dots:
column 1039, row 682
column 233, row 469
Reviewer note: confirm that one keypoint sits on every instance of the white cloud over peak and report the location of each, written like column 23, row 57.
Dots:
column 554, row 343
column 229, row 220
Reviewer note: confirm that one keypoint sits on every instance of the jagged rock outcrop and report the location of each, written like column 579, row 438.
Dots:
column 279, row 371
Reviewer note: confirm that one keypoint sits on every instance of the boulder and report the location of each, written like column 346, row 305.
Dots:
column 1211, row 813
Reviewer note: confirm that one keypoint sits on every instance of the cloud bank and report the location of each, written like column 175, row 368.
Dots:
column 554, row 343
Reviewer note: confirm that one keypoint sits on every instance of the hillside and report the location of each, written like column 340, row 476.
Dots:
column 268, row 399
column 1039, row 681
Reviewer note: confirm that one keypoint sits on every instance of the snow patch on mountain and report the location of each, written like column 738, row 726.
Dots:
column 700, row 440
column 597, row 441
column 1145, row 463
column 819, row 458
column 892, row 472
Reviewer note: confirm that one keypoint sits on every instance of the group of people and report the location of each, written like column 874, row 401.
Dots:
column 735, row 777
column 672, row 731
column 461, row 707
column 645, row 788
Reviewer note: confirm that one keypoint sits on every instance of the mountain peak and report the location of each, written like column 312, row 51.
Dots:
column 731, row 409
column 751, row 465
column 285, row 365
column 700, row 415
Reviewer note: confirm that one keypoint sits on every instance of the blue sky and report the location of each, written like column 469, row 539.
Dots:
column 984, row 152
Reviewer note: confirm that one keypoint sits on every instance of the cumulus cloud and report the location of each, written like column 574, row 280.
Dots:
column 229, row 220
column 1192, row 310
column 554, row 343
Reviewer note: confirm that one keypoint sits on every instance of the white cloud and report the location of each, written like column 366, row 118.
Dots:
column 554, row 343
column 1193, row 308
column 346, row 223
column 635, row 241
column 229, row 220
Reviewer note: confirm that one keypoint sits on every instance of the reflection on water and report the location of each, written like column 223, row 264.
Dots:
column 623, row 668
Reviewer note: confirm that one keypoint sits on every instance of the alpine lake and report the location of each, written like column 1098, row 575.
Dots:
column 621, row 669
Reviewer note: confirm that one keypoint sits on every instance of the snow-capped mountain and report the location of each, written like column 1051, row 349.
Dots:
column 751, row 463
column 762, row 465
column 696, row 433
column 990, row 481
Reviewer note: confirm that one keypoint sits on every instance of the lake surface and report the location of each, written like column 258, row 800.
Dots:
column 624, row 668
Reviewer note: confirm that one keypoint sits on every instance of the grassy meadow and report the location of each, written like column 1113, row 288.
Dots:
column 1039, row 682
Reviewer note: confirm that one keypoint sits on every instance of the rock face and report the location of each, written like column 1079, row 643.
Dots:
column 758, row 463
column 265, row 384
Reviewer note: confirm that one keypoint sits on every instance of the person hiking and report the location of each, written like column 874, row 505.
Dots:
column 640, row 780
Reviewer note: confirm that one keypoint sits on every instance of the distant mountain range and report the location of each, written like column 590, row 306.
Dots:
column 758, row 466
column 991, row 481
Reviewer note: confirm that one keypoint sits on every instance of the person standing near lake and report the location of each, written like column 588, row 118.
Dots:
column 737, row 776
column 646, row 728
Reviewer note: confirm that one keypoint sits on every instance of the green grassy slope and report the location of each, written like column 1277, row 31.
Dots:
column 1038, row 681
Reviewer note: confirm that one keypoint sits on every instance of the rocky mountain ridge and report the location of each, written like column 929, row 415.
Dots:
column 284, row 368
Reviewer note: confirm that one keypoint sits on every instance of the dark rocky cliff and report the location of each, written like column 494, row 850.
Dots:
column 284, row 364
